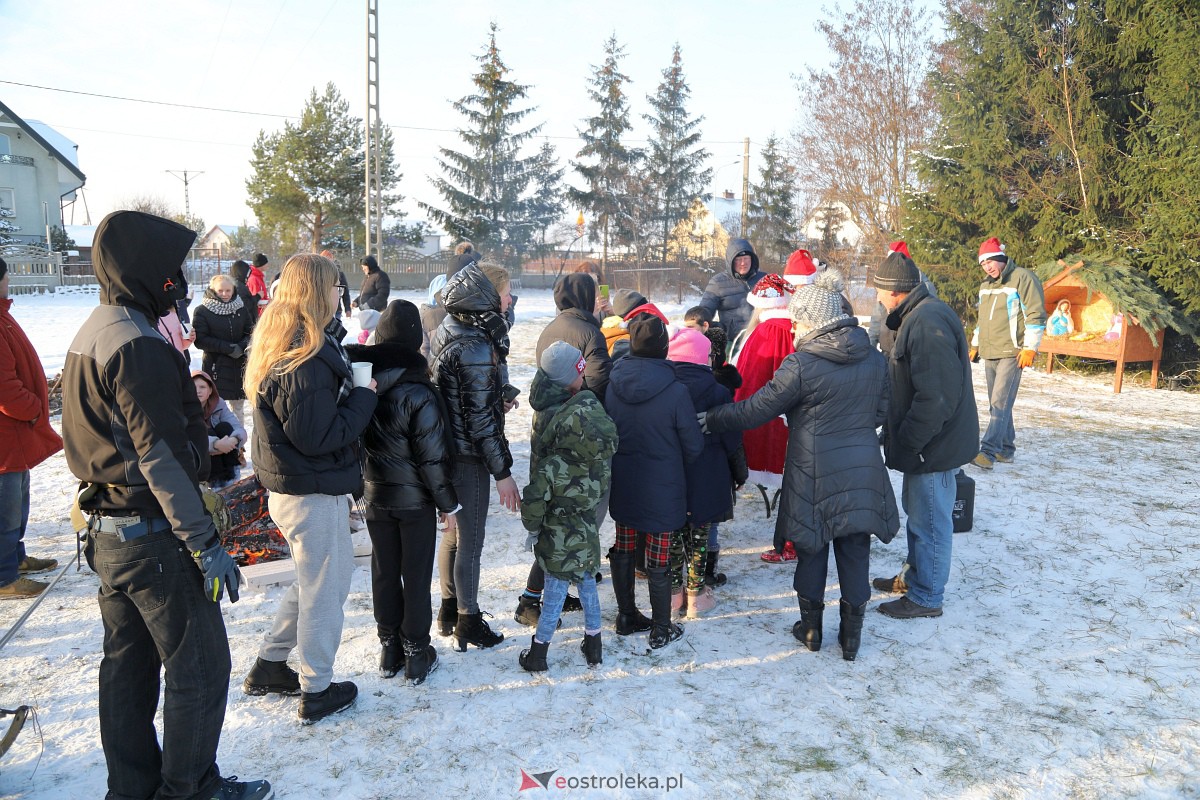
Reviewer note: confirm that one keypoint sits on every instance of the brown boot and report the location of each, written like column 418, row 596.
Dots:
column 22, row 588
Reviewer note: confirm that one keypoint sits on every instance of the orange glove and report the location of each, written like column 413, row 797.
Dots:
column 1025, row 359
column 973, row 355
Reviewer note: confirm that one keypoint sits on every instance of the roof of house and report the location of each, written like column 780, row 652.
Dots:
column 57, row 145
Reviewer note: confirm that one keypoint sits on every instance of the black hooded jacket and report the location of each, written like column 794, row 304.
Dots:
column 131, row 420
column 410, row 457
column 374, row 291
column 725, row 295
column 467, row 369
column 575, row 298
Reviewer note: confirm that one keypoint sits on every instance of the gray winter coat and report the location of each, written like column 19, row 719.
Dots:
column 834, row 393
column 725, row 295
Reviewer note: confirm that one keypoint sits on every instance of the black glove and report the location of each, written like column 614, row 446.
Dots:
column 236, row 351
column 220, row 573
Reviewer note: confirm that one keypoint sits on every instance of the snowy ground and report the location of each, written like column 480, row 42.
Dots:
column 1065, row 664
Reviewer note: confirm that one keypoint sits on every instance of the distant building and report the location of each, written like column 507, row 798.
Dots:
column 39, row 175
column 835, row 218
column 218, row 238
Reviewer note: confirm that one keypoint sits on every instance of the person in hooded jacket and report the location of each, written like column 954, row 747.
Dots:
column 240, row 272
column 308, row 417
column 725, row 294
column 257, row 281
column 470, row 350
column 223, row 326
column 150, row 539
column 834, row 392
column 375, row 288
column 408, row 471
column 659, row 435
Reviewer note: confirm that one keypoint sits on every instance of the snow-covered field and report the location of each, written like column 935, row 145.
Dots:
column 1065, row 664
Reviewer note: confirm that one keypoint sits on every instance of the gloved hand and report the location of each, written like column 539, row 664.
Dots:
column 973, row 355
column 1025, row 358
column 236, row 352
column 702, row 418
column 530, row 541
column 220, row 573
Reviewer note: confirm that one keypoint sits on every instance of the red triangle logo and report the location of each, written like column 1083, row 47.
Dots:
column 528, row 782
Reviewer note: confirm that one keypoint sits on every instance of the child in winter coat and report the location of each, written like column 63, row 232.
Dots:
column 225, row 432
column 568, row 474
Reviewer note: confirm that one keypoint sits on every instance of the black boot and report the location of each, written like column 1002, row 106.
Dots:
column 664, row 631
column 711, row 576
column 529, row 610
column 571, row 603
column 592, row 649
column 337, row 697
column 534, row 659
column 391, row 657
column 447, row 616
column 850, row 633
column 271, row 677
column 472, row 629
column 419, row 661
column 808, row 629
column 629, row 619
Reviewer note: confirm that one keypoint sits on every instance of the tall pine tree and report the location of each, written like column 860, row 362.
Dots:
column 675, row 161
column 605, row 163
column 484, row 187
column 772, row 213
column 547, row 200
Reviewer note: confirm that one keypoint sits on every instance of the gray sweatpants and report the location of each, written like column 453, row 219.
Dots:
column 310, row 615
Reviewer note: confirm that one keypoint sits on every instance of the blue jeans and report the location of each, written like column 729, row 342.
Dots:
column 156, row 617
column 1003, row 379
column 14, row 515
column 553, row 597
column 713, row 544
column 928, row 500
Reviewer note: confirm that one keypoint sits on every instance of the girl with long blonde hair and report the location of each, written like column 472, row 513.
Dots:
column 308, row 416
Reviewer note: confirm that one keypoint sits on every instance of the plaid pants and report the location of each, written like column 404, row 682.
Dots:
column 658, row 545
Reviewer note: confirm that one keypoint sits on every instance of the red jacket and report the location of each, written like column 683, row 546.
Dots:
column 257, row 284
column 26, row 438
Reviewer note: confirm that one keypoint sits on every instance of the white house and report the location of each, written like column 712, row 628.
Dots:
column 218, row 238
column 39, row 175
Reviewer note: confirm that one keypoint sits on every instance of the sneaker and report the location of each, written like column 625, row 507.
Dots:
column 271, row 677
column 1003, row 459
column 907, row 609
column 232, row 789
column 21, row 589
column 338, row 696
column 32, row 564
column 788, row 554
column 983, row 461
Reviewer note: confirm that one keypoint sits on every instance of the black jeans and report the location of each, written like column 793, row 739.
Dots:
column 403, row 544
column 853, row 556
column 151, row 603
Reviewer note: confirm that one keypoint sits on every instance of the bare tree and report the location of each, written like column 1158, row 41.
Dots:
column 865, row 116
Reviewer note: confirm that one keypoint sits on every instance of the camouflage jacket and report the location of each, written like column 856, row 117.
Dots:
column 569, row 472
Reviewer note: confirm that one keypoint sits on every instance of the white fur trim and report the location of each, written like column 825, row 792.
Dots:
column 766, row 302
column 800, row 280
column 771, row 480
column 985, row 256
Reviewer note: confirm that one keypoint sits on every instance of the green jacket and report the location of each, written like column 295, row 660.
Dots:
column 568, row 474
column 1012, row 313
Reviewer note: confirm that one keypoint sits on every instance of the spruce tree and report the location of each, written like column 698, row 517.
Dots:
column 604, row 162
column 484, row 186
column 675, row 161
column 547, row 201
column 772, row 213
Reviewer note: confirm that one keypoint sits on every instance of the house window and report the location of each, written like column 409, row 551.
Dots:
column 8, row 201
column 5, row 145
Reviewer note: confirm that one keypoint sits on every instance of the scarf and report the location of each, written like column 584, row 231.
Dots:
column 218, row 306
column 493, row 324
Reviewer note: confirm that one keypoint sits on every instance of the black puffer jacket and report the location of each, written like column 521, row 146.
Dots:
column 306, row 432
column 220, row 333
column 710, row 478
column 726, row 292
column 834, row 392
column 932, row 423
column 467, row 369
column 658, row 434
column 374, row 291
column 409, row 455
column 575, row 298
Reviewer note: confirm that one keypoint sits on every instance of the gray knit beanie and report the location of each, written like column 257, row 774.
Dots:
column 819, row 303
column 897, row 273
column 562, row 363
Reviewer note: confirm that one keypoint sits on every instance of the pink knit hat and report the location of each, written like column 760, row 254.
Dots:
column 689, row 346
column 771, row 291
column 801, row 267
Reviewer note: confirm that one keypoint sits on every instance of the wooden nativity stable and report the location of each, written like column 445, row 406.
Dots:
column 1099, row 318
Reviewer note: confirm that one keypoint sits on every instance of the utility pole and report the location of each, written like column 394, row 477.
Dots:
column 746, row 188
column 374, row 159
column 183, row 176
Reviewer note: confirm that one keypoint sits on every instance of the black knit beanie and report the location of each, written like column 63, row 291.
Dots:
column 897, row 274
column 400, row 323
column 626, row 300
column 648, row 337
column 260, row 260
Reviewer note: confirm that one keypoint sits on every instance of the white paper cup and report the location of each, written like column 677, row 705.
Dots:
column 362, row 373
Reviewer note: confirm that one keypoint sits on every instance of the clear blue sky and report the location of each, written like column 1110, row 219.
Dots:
column 266, row 55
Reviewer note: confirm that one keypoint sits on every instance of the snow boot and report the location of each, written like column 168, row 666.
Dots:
column 663, row 631
column 338, row 696
column 592, row 649
column 529, row 610
column 678, row 606
column 700, row 602
column 571, row 604
column 534, row 659
column 391, row 656
column 629, row 619
column 271, row 677
column 418, row 662
column 850, row 632
column 808, row 629
column 447, row 616
column 473, row 629
column 711, row 576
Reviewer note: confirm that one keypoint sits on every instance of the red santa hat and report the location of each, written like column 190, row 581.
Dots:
column 992, row 248
column 772, row 291
column 801, row 267
column 900, row 246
